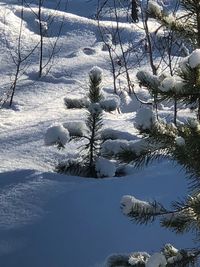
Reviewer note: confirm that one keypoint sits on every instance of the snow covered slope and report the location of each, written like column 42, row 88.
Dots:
column 48, row 219
column 51, row 220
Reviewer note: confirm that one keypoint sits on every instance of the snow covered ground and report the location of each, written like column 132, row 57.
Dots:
column 53, row 220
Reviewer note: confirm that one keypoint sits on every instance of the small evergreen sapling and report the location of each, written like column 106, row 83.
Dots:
column 89, row 164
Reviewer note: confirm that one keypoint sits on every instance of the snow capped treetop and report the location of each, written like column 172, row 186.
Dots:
column 131, row 204
column 96, row 73
column 56, row 135
column 145, row 119
column 194, row 59
column 156, row 260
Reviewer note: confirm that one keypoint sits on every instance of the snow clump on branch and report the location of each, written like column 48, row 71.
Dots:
column 180, row 141
column 131, row 204
column 110, row 103
column 115, row 147
column 145, row 119
column 194, row 59
column 154, row 9
column 175, row 84
column 56, row 135
column 138, row 258
column 76, row 128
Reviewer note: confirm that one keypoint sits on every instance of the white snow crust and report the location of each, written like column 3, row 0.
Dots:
column 56, row 134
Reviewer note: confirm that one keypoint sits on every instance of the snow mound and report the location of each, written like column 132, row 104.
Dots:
column 56, row 134
column 105, row 168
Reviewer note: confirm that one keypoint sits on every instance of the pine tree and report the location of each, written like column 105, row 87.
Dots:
column 89, row 163
column 180, row 143
column 186, row 26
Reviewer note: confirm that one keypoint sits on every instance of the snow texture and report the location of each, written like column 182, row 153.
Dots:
column 56, row 134
column 105, row 168
column 156, row 260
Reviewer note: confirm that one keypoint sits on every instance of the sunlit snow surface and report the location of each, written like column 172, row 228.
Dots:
column 51, row 220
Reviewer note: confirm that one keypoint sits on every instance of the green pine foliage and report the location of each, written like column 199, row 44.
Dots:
column 186, row 26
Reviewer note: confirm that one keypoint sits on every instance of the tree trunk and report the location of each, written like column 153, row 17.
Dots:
column 134, row 11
